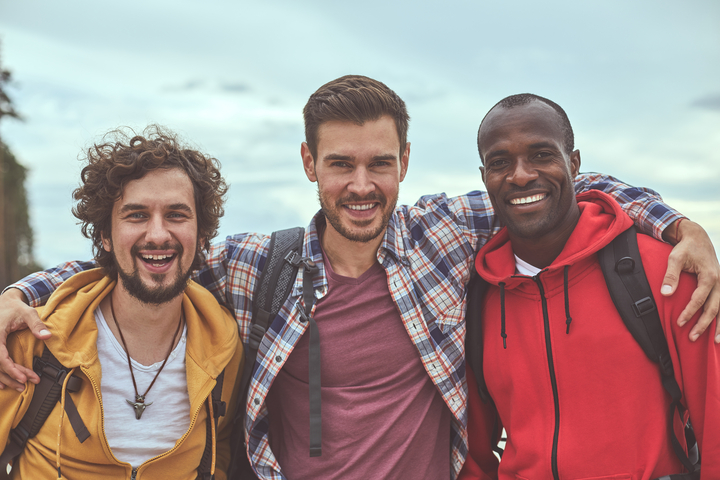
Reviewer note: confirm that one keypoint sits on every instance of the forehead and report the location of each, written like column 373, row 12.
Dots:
column 159, row 187
column 535, row 120
column 373, row 137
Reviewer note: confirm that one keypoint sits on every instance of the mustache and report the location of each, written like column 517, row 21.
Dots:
column 354, row 197
column 135, row 249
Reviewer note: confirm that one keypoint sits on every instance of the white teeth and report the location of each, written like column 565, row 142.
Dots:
column 531, row 199
column 156, row 257
column 367, row 206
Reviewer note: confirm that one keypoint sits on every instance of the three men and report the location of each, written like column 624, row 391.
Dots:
column 389, row 303
column 145, row 345
column 573, row 388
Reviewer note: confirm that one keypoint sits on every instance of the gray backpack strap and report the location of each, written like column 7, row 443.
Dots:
column 272, row 290
column 630, row 291
column 46, row 395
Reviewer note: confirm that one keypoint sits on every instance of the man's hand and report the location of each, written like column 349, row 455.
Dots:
column 15, row 314
column 693, row 253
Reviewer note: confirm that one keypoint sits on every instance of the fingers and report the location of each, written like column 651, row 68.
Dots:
column 697, row 300
column 36, row 326
column 6, row 381
column 12, row 376
column 672, row 276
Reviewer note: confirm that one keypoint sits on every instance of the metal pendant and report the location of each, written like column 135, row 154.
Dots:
column 139, row 405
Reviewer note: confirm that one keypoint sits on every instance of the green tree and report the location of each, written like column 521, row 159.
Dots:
column 16, row 237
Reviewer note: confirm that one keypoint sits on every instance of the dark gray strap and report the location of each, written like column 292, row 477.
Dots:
column 205, row 468
column 45, row 396
column 631, row 293
column 309, row 269
column 271, row 291
column 313, row 367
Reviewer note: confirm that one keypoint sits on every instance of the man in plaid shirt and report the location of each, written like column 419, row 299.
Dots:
column 393, row 373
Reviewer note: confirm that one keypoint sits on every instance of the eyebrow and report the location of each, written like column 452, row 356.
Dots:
column 133, row 207
column 536, row 145
column 495, row 153
column 337, row 156
column 543, row 145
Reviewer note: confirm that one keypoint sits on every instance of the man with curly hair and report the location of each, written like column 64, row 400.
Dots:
column 145, row 344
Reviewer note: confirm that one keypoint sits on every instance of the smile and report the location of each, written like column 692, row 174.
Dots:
column 157, row 260
column 366, row 206
column 526, row 200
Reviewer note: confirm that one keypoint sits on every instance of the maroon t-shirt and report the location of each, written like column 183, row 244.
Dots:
column 382, row 416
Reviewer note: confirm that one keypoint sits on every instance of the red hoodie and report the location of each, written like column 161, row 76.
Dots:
column 585, row 402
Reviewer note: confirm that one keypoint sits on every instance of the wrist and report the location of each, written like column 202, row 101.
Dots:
column 672, row 233
column 12, row 293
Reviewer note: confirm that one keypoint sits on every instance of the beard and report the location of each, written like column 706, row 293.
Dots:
column 362, row 234
column 154, row 295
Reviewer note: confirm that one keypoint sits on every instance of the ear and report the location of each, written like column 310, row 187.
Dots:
column 404, row 161
column 107, row 243
column 308, row 162
column 575, row 163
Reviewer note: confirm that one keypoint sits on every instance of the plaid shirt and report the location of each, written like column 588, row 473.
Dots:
column 427, row 252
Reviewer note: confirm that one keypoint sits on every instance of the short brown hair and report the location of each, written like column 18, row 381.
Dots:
column 123, row 156
column 356, row 99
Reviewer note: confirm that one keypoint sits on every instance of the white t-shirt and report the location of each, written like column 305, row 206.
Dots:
column 164, row 422
column 524, row 268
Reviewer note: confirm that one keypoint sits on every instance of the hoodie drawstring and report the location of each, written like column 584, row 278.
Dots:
column 502, row 314
column 568, row 318
column 211, row 414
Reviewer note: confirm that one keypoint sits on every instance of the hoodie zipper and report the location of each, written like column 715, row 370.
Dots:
column 553, row 379
column 134, row 470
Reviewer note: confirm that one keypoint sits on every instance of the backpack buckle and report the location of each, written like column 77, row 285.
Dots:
column 644, row 306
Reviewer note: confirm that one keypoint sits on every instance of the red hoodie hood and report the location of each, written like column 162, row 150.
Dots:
column 601, row 220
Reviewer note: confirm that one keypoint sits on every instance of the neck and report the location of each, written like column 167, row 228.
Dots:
column 147, row 329
column 541, row 252
column 349, row 258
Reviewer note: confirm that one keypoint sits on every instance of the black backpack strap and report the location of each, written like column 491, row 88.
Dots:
column 218, row 410
column 272, row 290
column 476, row 288
column 630, row 291
column 47, row 393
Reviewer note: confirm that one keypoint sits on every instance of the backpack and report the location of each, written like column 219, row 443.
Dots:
column 284, row 259
column 630, row 291
column 48, row 392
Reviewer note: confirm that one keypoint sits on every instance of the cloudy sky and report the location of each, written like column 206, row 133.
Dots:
column 639, row 80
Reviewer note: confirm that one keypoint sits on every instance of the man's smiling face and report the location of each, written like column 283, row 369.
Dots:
column 358, row 170
column 154, row 235
column 527, row 172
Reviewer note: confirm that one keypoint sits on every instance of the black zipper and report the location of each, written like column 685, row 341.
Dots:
column 553, row 379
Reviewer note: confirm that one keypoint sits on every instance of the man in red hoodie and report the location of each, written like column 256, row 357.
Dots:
column 576, row 394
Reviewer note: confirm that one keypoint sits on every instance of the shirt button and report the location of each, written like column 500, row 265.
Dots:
column 278, row 359
column 257, row 401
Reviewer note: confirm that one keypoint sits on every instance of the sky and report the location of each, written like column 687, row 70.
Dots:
column 639, row 81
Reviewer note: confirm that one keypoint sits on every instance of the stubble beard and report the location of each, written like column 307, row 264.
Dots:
column 332, row 214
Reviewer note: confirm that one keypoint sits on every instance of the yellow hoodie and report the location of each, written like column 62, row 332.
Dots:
column 212, row 344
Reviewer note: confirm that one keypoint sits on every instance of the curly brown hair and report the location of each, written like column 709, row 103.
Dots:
column 124, row 156
column 357, row 99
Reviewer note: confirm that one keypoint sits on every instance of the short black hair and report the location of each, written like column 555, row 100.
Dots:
column 521, row 99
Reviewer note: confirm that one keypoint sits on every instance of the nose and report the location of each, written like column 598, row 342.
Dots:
column 157, row 231
column 522, row 174
column 361, row 183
